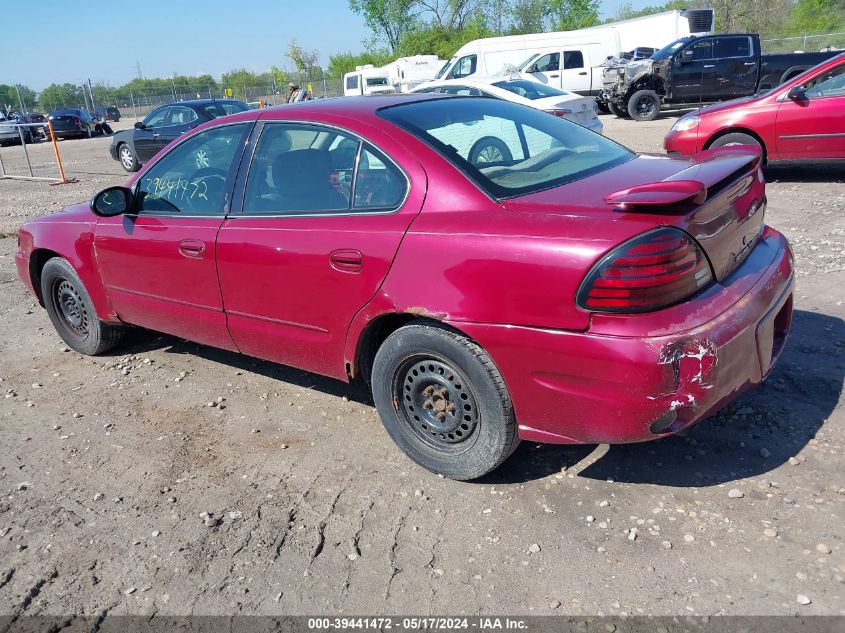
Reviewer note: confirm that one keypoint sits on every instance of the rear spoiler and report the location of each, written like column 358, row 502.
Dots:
column 708, row 171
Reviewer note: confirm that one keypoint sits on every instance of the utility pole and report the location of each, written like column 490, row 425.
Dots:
column 173, row 89
column 91, row 92
column 23, row 107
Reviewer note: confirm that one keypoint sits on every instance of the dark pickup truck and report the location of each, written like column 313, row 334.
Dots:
column 696, row 70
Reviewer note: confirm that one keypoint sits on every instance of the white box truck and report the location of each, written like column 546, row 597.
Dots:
column 367, row 80
column 494, row 55
column 406, row 73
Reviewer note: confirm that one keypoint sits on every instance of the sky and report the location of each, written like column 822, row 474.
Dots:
column 104, row 41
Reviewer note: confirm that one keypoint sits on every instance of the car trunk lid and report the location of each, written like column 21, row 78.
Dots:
column 717, row 196
column 579, row 110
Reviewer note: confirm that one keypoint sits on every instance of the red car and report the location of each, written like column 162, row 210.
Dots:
column 803, row 119
column 572, row 292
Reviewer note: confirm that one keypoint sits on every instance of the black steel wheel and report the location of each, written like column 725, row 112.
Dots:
column 644, row 105
column 437, row 403
column 443, row 401
column 72, row 312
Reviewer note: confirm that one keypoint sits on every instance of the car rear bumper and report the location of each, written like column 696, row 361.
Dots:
column 628, row 379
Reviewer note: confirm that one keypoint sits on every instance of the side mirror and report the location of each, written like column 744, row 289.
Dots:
column 139, row 125
column 686, row 56
column 797, row 93
column 112, row 201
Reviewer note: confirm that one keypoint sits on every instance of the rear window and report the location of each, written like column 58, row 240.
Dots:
column 530, row 89
column 507, row 149
column 217, row 109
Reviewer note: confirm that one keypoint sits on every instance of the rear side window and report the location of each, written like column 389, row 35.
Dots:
column 732, row 47
column 573, row 59
column 300, row 169
column 191, row 178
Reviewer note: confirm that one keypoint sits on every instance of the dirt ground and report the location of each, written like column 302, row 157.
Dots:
column 108, row 465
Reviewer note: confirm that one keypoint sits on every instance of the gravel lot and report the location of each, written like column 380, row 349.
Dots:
column 108, row 465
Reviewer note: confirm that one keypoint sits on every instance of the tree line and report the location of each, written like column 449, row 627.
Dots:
column 401, row 28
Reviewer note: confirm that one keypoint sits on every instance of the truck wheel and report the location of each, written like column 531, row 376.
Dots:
column 644, row 105
column 443, row 401
column 619, row 111
column 602, row 107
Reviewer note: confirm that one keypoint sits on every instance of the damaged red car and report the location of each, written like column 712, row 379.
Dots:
column 493, row 272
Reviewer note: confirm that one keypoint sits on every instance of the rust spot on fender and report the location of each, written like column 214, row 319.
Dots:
column 440, row 316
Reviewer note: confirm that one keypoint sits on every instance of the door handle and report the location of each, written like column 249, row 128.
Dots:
column 583, row 73
column 709, row 65
column 750, row 63
column 554, row 75
column 156, row 134
column 347, row 260
column 192, row 248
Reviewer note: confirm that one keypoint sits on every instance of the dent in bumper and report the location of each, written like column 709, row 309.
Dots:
column 613, row 382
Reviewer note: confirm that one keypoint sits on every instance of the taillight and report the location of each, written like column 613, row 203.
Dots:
column 76, row 121
column 652, row 271
column 560, row 113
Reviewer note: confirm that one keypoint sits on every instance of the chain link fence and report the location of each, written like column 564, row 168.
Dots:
column 804, row 43
column 139, row 105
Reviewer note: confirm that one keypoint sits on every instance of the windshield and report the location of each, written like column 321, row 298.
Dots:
column 530, row 89
column 216, row 109
column 507, row 149
column 443, row 70
column 377, row 81
column 667, row 50
column 528, row 61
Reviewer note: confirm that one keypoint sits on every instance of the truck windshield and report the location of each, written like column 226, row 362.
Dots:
column 667, row 50
column 507, row 149
column 443, row 70
column 528, row 61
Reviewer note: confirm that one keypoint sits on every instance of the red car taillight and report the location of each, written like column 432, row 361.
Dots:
column 76, row 121
column 560, row 113
column 652, row 271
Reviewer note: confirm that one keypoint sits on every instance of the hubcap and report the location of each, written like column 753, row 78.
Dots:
column 71, row 309
column 489, row 154
column 126, row 157
column 435, row 402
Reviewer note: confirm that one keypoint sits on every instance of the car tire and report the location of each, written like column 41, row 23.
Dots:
column 443, row 401
column 72, row 312
column 619, row 111
column 736, row 138
column 644, row 105
column 127, row 158
column 489, row 149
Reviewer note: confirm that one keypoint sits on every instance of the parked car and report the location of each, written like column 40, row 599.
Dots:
column 576, row 293
column 580, row 110
column 9, row 134
column 134, row 147
column 698, row 70
column 804, row 119
column 73, row 122
column 108, row 113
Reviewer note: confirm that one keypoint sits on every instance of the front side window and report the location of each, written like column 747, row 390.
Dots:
column 507, row 149
column 573, row 59
column 300, row 169
column 156, row 118
column 702, row 49
column 548, row 63
column 191, row 178
column 465, row 66
column 830, row 83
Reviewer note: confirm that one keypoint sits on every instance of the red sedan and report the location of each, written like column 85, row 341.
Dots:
column 566, row 290
column 803, row 119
